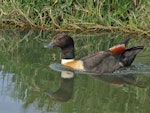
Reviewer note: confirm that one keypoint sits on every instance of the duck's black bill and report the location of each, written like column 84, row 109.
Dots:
column 50, row 45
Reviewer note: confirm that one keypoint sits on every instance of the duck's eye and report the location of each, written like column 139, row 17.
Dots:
column 59, row 39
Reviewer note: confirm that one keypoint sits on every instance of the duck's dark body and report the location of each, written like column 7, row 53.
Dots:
column 101, row 62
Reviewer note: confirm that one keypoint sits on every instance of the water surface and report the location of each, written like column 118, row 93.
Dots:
column 30, row 80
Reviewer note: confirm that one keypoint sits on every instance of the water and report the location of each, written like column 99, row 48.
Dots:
column 30, row 76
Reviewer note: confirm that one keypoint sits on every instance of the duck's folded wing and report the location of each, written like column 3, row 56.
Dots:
column 101, row 62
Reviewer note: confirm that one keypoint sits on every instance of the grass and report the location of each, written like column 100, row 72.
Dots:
column 130, row 16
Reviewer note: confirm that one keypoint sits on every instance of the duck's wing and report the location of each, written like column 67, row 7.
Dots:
column 96, row 57
column 101, row 62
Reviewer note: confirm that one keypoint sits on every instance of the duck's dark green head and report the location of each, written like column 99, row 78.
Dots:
column 62, row 41
column 66, row 43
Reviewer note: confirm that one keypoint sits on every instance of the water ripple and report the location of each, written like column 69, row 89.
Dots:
column 137, row 68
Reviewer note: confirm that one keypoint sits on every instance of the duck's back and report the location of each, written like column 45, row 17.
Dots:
column 101, row 62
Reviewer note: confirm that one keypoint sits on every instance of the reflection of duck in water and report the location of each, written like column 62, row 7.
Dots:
column 102, row 62
column 64, row 93
column 119, row 80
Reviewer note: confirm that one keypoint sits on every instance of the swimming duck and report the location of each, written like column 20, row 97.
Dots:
column 107, row 61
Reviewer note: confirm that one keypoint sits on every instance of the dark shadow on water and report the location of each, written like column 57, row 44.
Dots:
column 64, row 92
column 119, row 78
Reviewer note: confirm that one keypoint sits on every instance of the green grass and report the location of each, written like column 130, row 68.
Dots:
column 131, row 16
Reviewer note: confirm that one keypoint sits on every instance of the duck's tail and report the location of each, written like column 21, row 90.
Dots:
column 125, row 42
column 128, row 56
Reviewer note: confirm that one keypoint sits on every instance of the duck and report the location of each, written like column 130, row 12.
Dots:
column 107, row 61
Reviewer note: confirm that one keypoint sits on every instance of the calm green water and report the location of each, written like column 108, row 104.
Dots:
column 30, row 82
